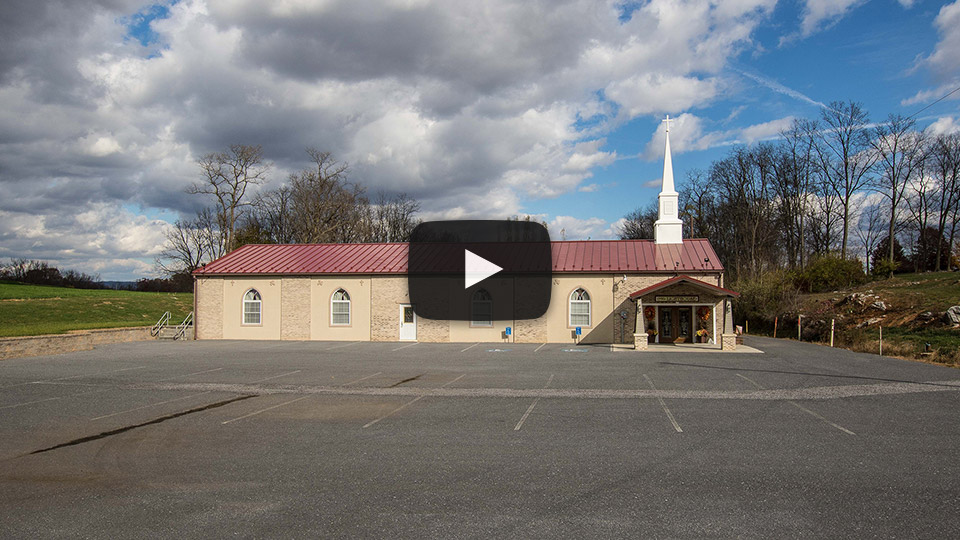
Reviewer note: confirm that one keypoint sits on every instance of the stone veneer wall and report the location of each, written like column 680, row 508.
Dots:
column 209, row 315
column 81, row 340
column 387, row 293
column 295, row 309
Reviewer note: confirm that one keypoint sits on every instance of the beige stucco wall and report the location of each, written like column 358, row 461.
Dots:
column 299, row 308
column 209, row 315
column 270, row 308
column 321, row 293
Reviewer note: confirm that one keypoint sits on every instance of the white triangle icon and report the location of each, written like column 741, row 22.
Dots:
column 476, row 269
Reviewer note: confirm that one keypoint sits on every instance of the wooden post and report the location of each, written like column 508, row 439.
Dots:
column 831, row 332
column 798, row 328
column 746, row 329
column 775, row 319
column 881, row 341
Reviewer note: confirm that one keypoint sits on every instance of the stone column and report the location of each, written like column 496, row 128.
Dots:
column 728, row 341
column 640, row 330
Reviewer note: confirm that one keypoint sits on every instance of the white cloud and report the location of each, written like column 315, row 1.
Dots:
column 653, row 183
column 471, row 107
column 926, row 96
column 571, row 228
column 944, row 125
column 818, row 14
column 589, row 188
column 945, row 59
column 689, row 133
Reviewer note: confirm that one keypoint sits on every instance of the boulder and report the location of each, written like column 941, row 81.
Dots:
column 868, row 322
column 879, row 305
column 926, row 316
column 952, row 316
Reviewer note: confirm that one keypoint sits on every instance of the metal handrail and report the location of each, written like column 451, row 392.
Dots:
column 182, row 327
column 164, row 319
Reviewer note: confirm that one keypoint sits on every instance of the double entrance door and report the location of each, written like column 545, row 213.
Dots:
column 676, row 324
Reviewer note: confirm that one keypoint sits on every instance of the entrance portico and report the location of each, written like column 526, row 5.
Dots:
column 683, row 310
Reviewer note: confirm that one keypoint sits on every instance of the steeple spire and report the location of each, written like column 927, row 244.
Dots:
column 668, row 229
column 667, row 162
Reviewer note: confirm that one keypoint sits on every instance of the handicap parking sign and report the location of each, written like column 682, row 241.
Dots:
column 507, row 332
column 579, row 332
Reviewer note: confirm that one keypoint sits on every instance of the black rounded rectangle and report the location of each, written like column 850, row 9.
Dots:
column 446, row 256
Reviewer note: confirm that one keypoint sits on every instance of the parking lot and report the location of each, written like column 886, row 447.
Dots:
column 308, row 439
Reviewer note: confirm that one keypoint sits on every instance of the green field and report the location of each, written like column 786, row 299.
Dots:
column 30, row 310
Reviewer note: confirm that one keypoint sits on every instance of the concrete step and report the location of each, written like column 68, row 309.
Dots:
column 168, row 332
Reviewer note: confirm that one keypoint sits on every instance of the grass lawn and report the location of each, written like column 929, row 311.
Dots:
column 29, row 310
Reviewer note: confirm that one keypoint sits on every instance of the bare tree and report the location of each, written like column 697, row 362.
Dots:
column 900, row 151
column 393, row 219
column 869, row 229
column 793, row 173
column 944, row 155
column 638, row 224
column 191, row 243
column 226, row 178
column 325, row 206
column 845, row 156
column 920, row 202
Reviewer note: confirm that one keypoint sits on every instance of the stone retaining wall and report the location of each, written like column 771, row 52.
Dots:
column 78, row 340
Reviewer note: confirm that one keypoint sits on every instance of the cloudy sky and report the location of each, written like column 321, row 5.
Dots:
column 478, row 109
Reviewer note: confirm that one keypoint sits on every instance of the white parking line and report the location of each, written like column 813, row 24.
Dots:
column 15, row 405
column 398, row 409
column 405, row 346
column 540, row 347
column 453, row 381
column 407, row 404
column 363, row 378
column 190, row 374
column 673, row 420
column 532, row 405
column 341, row 346
column 802, row 408
column 148, row 406
column 276, row 377
column 470, row 347
column 264, row 410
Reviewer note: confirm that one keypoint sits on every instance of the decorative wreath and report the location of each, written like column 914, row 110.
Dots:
column 703, row 313
column 649, row 312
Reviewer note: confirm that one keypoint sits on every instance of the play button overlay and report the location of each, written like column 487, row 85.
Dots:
column 489, row 273
column 476, row 269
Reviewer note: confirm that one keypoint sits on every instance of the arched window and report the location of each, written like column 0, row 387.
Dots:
column 579, row 308
column 340, row 308
column 481, row 309
column 251, row 307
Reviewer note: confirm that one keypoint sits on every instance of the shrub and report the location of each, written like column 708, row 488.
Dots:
column 829, row 272
column 764, row 298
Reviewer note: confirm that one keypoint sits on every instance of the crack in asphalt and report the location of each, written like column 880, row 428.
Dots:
column 396, row 384
column 164, row 418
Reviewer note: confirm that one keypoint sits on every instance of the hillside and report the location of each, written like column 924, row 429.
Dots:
column 27, row 310
column 910, row 308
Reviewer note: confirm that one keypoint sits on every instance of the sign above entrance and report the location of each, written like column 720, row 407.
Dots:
column 677, row 299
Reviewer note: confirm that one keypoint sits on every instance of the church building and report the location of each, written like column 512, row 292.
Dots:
column 665, row 290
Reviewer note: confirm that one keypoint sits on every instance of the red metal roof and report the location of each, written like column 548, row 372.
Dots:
column 628, row 256
column 685, row 279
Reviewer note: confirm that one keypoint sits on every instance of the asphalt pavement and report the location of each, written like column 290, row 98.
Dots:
column 344, row 439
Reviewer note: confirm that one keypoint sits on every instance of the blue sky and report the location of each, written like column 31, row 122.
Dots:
column 479, row 110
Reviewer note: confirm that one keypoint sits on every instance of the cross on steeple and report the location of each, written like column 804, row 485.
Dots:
column 667, row 121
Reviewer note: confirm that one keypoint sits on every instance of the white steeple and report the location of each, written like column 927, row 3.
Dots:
column 669, row 228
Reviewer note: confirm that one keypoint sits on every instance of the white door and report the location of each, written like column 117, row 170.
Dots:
column 408, row 323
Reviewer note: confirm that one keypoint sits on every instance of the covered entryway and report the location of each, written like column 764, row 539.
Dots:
column 676, row 324
column 683, row 310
